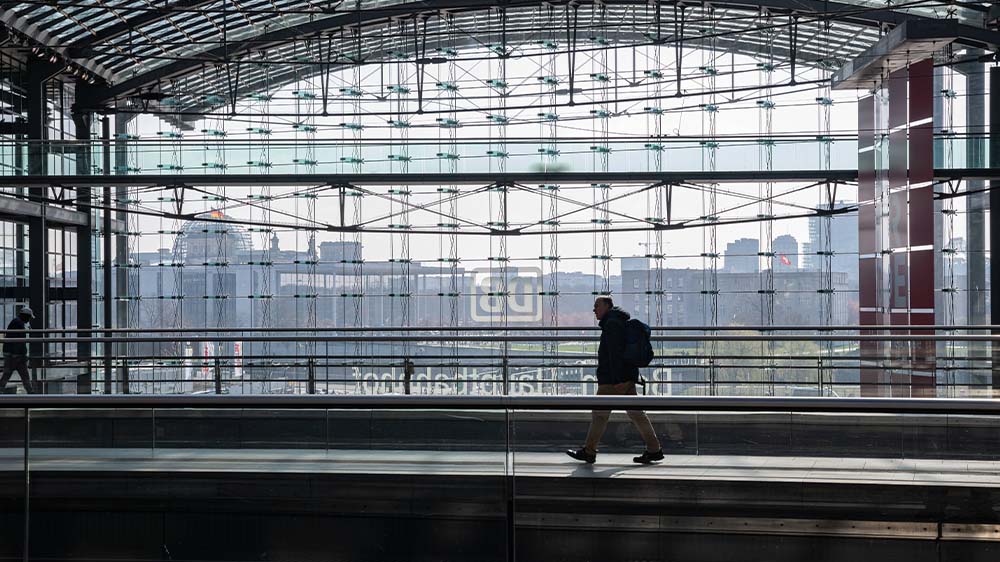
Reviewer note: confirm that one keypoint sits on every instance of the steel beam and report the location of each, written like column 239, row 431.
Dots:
column 975, row 237
column 841, row 11
column 994, row 148
column 937, row 406
column 42, row 37
column 121, row 240
column 85, row 48
column 911, row 41
column 37, row 75
column 107, row 317
column 474, row 178
column 13, row 208
column 84, row 249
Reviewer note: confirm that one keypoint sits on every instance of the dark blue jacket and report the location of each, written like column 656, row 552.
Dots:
column 16, row 348
column 611, row 365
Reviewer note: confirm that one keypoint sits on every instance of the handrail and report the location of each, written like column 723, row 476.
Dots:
column 937, row 406
column 748, row 328
column 509, row 338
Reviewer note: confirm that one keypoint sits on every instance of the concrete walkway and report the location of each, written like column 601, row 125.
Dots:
column 923, row 472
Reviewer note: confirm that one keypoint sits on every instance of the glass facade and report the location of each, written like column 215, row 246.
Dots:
column 503, row 184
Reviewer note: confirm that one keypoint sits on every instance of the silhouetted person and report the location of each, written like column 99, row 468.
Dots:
column 15, row 354
column 615, row 376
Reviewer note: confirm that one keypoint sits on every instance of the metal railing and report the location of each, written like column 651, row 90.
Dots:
column 838, row 361
column 900, row 406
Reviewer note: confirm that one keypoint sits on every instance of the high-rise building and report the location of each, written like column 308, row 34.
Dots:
column 842, row 240
column 742, row 256
column 786, row 253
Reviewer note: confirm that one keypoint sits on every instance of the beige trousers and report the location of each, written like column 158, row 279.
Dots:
column 599, row 421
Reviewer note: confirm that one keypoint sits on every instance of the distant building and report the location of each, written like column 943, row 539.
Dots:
column 958, row 255
column 842, row 241
column 796, row 298
column 786, row 253
column 742, row 256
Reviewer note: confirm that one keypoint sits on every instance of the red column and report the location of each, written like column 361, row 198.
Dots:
column 896, row 231
column 921, row 223
column 868, row 244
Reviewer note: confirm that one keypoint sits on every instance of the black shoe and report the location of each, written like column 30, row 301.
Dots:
column 649, row 458
column 582, row 455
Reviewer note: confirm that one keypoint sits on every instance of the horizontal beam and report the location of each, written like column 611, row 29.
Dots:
column 931, row 406
column 18, row 209
column 15, row 128
column 473, row 178
column 494, row 338
column 909, row 42
column 518, row 328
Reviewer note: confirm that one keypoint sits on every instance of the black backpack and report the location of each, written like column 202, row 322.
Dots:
column 638, row 349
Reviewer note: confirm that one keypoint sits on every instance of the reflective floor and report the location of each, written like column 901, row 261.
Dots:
column 834, row 470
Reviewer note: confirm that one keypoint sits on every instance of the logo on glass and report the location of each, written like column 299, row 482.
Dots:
column 524, row 303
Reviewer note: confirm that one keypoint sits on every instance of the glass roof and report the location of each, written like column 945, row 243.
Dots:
column 139, row 43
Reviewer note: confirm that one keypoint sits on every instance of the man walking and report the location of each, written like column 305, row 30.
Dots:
column 15, row 354
column 615, row 377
